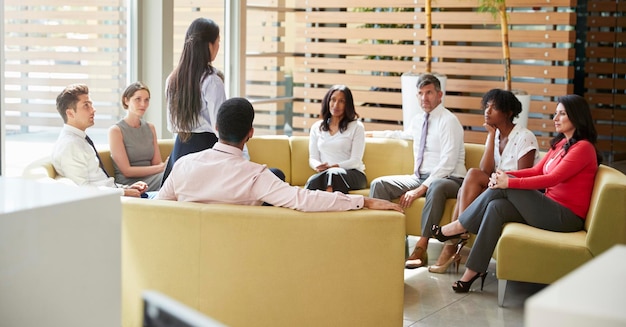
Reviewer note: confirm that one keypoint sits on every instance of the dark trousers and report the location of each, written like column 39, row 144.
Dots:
column 488, row 214
column 196, row 143
column 439, row 191
column 352, row 180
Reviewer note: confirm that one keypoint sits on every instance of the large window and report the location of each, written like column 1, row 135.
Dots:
column 48, row 46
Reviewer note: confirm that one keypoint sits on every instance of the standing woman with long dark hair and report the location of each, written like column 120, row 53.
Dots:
column 194, row 92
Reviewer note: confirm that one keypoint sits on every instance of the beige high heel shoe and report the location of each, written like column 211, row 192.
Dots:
column 455, row 258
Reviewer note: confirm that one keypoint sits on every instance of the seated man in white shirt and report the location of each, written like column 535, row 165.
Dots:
column 439, row 167
column 223, row 175
column 74, row 157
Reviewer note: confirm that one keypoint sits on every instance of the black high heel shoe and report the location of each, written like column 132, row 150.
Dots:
column 436, row 231
column 464, row 287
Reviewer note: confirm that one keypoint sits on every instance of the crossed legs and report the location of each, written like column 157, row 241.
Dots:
column 488, row 214
column 439, row 191
column 474, row 184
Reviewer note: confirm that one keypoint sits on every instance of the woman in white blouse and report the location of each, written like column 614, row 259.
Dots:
column 508, row 147
column 336, row 145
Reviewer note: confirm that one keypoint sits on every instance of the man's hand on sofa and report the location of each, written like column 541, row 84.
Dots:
column 407, row 198
column 379, row 204
column 132, row 192
column 136, row 189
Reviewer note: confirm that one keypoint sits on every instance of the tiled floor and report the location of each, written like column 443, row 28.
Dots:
column 430, row 301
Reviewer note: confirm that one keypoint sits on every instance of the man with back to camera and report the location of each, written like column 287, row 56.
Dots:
column 223, row 175
column 439, row 154
column 74, row 156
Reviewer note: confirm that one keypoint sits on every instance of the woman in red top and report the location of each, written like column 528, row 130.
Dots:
column 567, row 174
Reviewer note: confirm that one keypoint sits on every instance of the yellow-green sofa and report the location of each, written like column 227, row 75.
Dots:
column 260, row 266
column 383, row 156
column 529, row 254
column 264, row 266
column 524, row 253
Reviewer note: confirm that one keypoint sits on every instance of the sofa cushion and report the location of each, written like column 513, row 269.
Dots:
column 526, row 253
column 385, row 157
column 273, row 151
column 382, row 157
column 300, row 170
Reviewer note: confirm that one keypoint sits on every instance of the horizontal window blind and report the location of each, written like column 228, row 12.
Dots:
column 49, row 46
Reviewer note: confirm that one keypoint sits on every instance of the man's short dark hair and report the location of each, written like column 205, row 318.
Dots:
column 234, row 120
column 428, row 79
column 68, row 98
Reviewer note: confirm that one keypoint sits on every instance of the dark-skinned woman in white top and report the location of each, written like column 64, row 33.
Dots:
column 509, row 146
column 337, row 144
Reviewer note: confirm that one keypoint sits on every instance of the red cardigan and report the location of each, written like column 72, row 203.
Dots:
column 568, row 179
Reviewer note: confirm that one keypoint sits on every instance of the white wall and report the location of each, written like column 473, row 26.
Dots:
column 153, row 35
column 60, row 255
column 2, row 131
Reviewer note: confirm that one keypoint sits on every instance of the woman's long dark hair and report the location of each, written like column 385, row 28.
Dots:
column 183, row 89
column 349, row 113
column 579, row 114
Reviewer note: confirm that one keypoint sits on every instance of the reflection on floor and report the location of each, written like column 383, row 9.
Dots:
column 430, row 301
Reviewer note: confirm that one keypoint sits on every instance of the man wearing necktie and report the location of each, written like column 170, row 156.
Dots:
column 74, row 156
column 439, row 164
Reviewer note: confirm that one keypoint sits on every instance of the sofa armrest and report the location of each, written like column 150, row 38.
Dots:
column 272, row 151
column 43, row 168
column 606, row 220
column 40, row 169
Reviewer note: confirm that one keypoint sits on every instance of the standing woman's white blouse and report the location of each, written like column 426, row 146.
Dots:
column 344, row 148
column 213, row 95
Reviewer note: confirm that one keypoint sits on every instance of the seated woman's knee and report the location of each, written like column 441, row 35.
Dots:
column 475, row 173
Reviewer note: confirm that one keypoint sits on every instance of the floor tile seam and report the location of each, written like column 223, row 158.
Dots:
column 453, row 302
column 442, row 308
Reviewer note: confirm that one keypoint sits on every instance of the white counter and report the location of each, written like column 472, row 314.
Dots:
column 60, row 255
column 592, row 295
